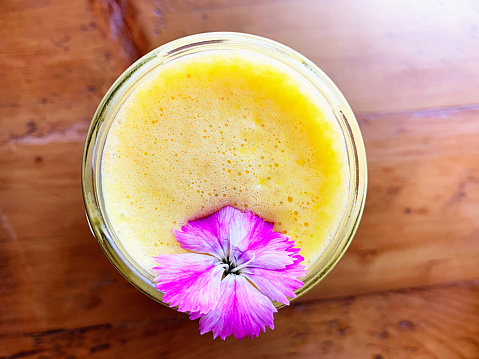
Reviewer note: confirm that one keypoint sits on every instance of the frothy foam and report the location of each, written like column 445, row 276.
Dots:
column 223, row 128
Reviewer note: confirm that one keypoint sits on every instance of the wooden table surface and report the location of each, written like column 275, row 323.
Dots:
column 408, row 287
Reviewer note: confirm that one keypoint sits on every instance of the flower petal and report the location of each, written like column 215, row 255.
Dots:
column 209, row 235
column 277, row 284
column 242, row 310
column 190, row 281
column 251, row 236
column 195, row 315
column 242, row 224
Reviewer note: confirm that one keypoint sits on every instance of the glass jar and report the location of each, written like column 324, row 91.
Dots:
column 131, row 78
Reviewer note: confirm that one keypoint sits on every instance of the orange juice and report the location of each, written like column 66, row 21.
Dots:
column 222, row 128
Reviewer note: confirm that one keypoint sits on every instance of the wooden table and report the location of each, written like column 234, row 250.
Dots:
column 408, row 286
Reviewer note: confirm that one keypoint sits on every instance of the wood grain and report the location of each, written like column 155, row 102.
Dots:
column 384, row 56
column 440, row 322
column 54, row 73
column 420, row 225
column 409, row 69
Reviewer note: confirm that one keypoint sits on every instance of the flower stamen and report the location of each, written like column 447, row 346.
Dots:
column 241, row 266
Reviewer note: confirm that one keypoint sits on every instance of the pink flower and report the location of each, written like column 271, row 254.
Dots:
column 239, row 267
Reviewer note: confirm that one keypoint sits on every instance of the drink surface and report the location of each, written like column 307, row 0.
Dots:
column 223, row 128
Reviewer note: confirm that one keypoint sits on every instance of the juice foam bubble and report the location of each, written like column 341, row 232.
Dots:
column 223, row 128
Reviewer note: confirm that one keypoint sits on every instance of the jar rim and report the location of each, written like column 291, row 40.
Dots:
column 221, row 40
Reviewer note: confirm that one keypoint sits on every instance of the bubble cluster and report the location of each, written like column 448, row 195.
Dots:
column 216, row 130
